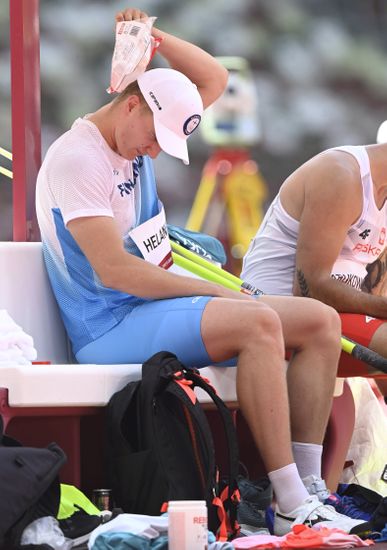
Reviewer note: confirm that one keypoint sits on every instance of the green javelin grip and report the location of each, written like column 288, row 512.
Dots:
column 196, row 264
column 207, row 270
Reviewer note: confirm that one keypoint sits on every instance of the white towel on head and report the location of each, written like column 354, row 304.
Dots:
column 16, row 346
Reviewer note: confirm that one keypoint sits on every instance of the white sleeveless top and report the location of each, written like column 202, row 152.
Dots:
column 269, row 262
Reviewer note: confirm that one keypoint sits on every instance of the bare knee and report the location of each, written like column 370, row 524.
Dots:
column 330, row 323
column 323, row 333
column 230, row 327
column 262, row 325
column 323, row 321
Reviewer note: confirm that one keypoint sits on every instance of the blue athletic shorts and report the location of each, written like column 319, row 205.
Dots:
column 161, row 325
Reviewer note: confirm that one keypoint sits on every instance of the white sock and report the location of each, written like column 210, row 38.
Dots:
column 288, row 487
column 307, row 456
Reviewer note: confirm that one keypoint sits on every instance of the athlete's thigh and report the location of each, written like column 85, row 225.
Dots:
column 226, row 323
column 378, row 341
column 162, row 325
column 299, row 316
column 367, row 331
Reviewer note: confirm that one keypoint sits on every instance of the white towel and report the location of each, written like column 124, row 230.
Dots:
column 16, row 346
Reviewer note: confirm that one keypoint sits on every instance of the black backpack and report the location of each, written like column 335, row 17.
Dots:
column 29, row 486
column 160, row 445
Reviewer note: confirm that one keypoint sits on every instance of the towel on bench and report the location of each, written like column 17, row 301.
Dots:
column 16, row 346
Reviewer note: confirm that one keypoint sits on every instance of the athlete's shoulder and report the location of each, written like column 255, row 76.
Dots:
column 81, row 138
column 331, row 171
column 338, row 162
column 79, row 148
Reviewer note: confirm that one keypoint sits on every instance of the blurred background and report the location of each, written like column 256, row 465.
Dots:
column 319, row 70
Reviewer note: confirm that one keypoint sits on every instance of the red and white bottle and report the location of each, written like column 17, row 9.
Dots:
column 187, row 525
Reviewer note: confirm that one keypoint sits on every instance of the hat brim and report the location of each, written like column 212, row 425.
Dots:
column 171, row 143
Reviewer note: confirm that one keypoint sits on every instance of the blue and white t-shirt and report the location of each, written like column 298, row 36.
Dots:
column 81, row 176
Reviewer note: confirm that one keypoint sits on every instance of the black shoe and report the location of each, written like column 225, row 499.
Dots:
column 256, row 496
column 258, row 491
column 251, row 518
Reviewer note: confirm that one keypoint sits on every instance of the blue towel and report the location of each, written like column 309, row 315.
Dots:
column 205, row 245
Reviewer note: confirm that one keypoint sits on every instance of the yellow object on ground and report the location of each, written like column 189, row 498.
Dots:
column 71, row 500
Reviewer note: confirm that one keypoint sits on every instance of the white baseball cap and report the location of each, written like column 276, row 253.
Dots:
column 177, row 108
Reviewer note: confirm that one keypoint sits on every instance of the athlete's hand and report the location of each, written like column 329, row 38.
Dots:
column 234, row 294
column 131, row 14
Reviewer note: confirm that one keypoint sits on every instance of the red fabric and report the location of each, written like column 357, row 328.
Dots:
column 360, row 329
column 303, row 537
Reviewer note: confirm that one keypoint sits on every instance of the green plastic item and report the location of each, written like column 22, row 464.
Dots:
column 71, row 500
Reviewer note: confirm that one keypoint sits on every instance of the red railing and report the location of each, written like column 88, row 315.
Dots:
column 26, row 116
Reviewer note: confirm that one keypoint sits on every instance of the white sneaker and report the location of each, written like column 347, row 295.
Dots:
column 310, row 512
column 316, row 486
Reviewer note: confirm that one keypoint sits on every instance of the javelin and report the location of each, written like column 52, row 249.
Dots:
column 207, row 270
column 8, row 155
column 5, row 153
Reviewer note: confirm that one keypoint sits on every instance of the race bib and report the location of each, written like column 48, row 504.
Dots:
column 152, row 239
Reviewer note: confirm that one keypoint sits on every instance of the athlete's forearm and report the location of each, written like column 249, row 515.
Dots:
column 339, row 295
column 137, row 277
column 199, row 66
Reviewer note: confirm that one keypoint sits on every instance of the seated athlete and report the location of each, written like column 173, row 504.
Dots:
column 105, row 243
column 324, row 236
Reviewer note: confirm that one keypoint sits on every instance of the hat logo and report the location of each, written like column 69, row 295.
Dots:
column 155, row 101
column 191, row 123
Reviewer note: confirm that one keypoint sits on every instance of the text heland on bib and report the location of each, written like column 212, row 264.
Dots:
column 152, row 239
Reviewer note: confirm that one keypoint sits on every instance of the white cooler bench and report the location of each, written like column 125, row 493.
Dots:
column 44, row 402
column 57, row 401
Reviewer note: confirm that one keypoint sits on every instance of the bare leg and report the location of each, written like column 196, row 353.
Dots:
column 379, row 343
column 312, row 330
column 252, row 332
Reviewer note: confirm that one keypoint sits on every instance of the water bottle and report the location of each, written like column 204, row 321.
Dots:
column 187, row 525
